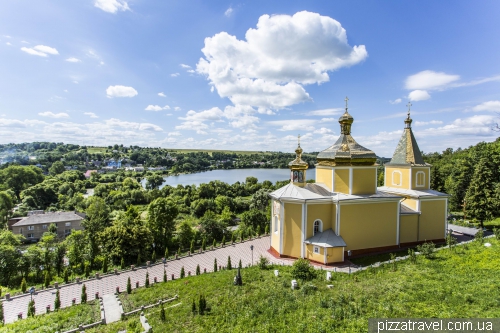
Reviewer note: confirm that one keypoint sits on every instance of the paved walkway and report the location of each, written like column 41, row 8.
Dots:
column 107, row 284
column 112, row 311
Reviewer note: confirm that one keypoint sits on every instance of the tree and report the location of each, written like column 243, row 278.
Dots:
column 260, row 200
column 105, row 265
column 162, row 313
column 204, row 244
column 161, row 215
column 254, row 218
column 96, row 220
column 164, row 275
column 84, row 294
column 183, row 273
column 31, row 308
column 480, row 198
column 57, row 301
column 229, row 266
column 19, row 178
column 215, row 264
column 146, row 283
column 76, row 249
column 66, row 275
column 191, row 248
column 198, row 269
column 56, row 168
column 185, row 234
column 59, row 253
column 53, row 228
column 210, row 227
column 154, row 181
column 24, row 286
column 6, row 205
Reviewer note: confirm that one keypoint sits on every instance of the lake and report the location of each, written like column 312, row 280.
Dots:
column 232, row 176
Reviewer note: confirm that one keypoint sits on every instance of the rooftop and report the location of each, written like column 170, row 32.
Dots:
column 50, row 217
column 327, row 238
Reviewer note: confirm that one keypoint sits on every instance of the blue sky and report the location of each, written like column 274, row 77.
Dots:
column 248, row 75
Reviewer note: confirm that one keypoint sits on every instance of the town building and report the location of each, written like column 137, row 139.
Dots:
column 345, row 213
column 36, row 223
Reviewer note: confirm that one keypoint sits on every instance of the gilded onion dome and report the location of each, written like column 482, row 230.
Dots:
column 346, row 151
column 298, row 168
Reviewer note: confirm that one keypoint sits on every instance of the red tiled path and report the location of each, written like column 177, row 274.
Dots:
column 108, row 284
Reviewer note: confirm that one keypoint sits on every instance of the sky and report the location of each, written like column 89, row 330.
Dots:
column 249, row 75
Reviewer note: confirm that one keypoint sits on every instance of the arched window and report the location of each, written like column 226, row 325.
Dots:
column 396, row 177
column 420, row 178
column 318, row 227
column 275, row 223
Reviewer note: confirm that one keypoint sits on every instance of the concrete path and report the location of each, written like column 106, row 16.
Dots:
column 107, row 284
column 112, row 311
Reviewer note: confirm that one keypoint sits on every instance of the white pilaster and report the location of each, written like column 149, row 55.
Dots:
column 281, row 220
column 302, row 232
column 398, row 222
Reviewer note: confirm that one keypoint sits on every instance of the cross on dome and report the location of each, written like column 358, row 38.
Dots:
column 346, row 101
column 409, row 105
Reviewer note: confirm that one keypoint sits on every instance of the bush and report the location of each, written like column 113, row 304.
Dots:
column 308, row 288
column 191, row 248
column 479, row 236
column 263, row 262
column 427, row 250
column 23, row 285
column 193, row 307
column 146, row 283
column 202, row 305
column 183, row 273
column 215, row 264
column 302, row 270
column 87, row 269
column 66, row 276
column 229, row 265
column 239, row 264
column 57, row 301
column 164, row 275
column 204, row 244
column 84, row 295
column 214, row 244
column 122, row 263
column 129, row 286
column 162, row 313
column 412, row 256
column 105, row 265
column 166, row 253
column 496, row 231
column 198, row 269
column 31, row 308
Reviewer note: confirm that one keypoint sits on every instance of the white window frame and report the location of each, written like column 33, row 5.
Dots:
column 422, row 183
column 320, row 226
column 316, row 250
column 67, row 224
column 394, row 179
column 44, row 226
column 31, row 227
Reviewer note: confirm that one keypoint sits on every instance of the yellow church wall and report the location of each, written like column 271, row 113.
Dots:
column 414, row 172
column 318, row 257
column 408, row 228
column 292, row 230
column 363, row 181
column 432, row 219
column 368, row 225
column 334, row 254
column 324, row 176
column 325, row 213
column 412, row 203
column 275, row 236
column 405, row 177
column 342, row 181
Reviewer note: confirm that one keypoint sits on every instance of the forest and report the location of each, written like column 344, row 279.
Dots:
column 128, row 224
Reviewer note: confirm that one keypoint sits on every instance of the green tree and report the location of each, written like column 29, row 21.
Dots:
column 96, row 220
column 162, row 313
column 229, row 266
column 53, row 228
column 59, row 253
column 164, row 275
column 76, row 247
column 19, row 178
column 6, row 205
column 31, row 308
column 146, row 283
column 47, row 279
column 84, row 294
column 204, row 244
column 161, row 220
column 56, row 168
column 191, row 248
column 154, row 181
column 57, row 301
column 66, row 275
column 105, row 264
column 215, row 264
column 24, row 286
column 260, row 200
column 480, row 196
column 185, row 234
column 183, row 273
column 198, row 269
column 129, row 286
column 254, row 218
column 210, row 227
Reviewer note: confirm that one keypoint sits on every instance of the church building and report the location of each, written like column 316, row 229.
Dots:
column 345, row 212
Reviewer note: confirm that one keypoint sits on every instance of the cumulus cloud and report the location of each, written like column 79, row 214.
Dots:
column 396, row 101
column 418, row 95
column 323, row 130
column 153, row 108
column 177, row 108
column 162, row 94
column 327, row 120
column 228, row 12
column 269, row 68
column 91, row 114
column 477, row 125
column 432, row 122
column 325, row 112
column 429, row 80
column 113, row 122
column 111, row 6
column 72, row 59
column 488, row 106
column 185, row 66
column 120, row 91
column 53, row 115
column 40, row 50
column 174, row 74
column 174, row 134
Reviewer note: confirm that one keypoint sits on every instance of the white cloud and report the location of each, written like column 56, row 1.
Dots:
column 162, row 94
column 259, row 70
column 294, row 124
column 46, row 49
column 228, row 12
column 327, row 120
column 53, row 115
column 72, row 59
column 191, row 71
column 33, row 52
column 214, row 114
column 120, row 91
column 174, row 134
column 477, row 125
column 418, row 95
column 429, row 80
column 91, row 114
column 432, row 122
column 488, row 106
column 113, row 122
column 111, row 6
column 325, row 112
column 396, row 101
column 185, row 66
column 156, row 108
column 174, row 74
column 8, row 43
column 177, row 108
column 323, row 130
column 24, row 42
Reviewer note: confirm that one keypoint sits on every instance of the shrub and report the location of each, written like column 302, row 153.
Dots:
column 198, row 269
column 84, row 294
column 57, row 301
column 308, row 288
column 202, row 305
column 162, row 313
column 450, row 240
column 191, row 248
column 66, row 276
column 23, row 285
column 266, row 229
column 214, row 244
column 204, row 244
column 239, row 264
column 258, row 230
column 229, row 265
column 129, row 286
column 87, row 269
column 427, row 249
column 263, row 262
column 31, row 308
column 146, row 283
column 122, row 263
column 412, row 256
column 182, row 272
column 302, row 270
column 232, row 238
column 179, row 251
column 496, row 231
column 105, row 265
column 215, row 264
column 153, row 257
column 164, row 275
column 223, row 242
column 193, row 307
column 479, row 236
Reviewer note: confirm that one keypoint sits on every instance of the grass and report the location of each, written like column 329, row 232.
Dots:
column 459, row 283
column 61, row 320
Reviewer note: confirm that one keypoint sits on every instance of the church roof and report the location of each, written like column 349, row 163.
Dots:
column 405, row 210
column 411, row 193
column 407, row 151
column 327, row 238
column 346, row 151
column 308, row 192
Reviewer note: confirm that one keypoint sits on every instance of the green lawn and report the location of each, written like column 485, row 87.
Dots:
column 462, row 283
